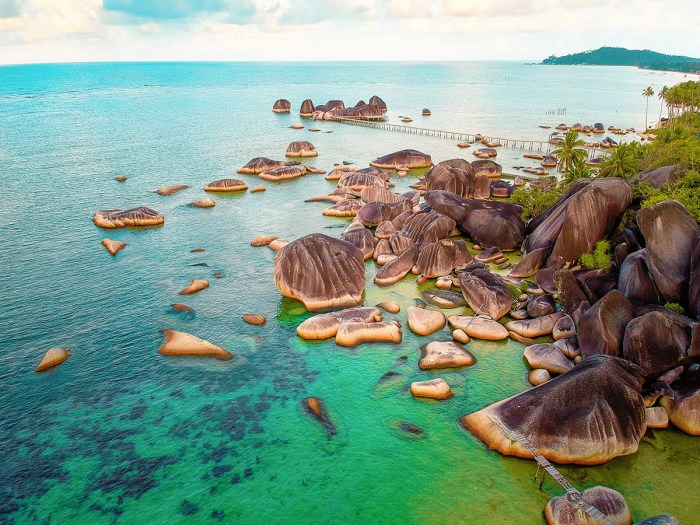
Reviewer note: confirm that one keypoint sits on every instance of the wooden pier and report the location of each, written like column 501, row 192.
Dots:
column 536, row 146
column 574, row 494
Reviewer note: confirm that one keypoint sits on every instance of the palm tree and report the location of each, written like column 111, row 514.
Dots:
column 622, row 162
column 648, row 92
column 662, row 98
column 578, row 170
column 569, row 150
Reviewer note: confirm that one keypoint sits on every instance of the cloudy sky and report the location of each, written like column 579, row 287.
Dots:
column 109, row 30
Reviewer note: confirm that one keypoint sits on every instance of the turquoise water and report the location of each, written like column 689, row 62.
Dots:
column 121, row 434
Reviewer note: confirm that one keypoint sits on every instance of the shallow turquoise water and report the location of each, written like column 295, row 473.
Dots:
column 121, row 434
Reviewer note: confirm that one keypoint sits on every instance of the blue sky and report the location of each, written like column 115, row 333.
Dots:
column 307, row 30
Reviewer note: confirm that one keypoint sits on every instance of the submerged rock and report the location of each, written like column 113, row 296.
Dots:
column 317, row 408
column 321, row 272
column 262, row 240
column 166, row 191
column 203, row 203
column 52, row 358
column 255, row 319
column 566, row 420
column 122, row 218
column 184, row 344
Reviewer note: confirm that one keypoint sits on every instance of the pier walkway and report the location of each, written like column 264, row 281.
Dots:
column 537, row 146
column 574, row 494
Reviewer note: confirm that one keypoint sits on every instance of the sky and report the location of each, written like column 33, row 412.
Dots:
column 310, row 30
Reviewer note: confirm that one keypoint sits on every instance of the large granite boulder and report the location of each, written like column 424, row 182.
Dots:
column 488, row 223
column 282, row 105
column 427, row 227
column 566, row 419
column 407, row 158
column 320, row 271
column 456, row 176
column 361, row 238
column 670, row 232
column 530, row 264
column 397, row 269
column 307, row 108
column 486, row 293
column 694, row 283
column 588, row 212
column 487, row 168
column 374, row 99
column 122, row 218
column 325, row 326
column 601, row 329
column 563, row 510
column 260, row 164
column 684, row 408
column 634, row 281
column 660, row 176
column 659, row 341
column 301, row 148
column 283, row 173
column 442, row 257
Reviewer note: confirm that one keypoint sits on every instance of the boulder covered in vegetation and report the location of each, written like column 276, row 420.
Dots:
column 568, row 421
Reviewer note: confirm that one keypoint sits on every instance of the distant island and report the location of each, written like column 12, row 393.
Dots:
column 620, row 56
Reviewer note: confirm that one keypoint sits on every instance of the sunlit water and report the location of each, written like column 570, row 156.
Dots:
column 122, row 434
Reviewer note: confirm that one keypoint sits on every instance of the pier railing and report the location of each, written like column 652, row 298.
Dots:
column 539, row 146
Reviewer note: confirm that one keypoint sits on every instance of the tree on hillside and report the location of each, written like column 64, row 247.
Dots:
column 578, row 170
column 648, row 92
column 569, row 150
column 662, row 98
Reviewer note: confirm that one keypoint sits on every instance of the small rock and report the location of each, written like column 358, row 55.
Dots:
column 120, row 178
column 433, row 389
column 390, row 306
column 258, row 189
column 461, row 336
column 563, row 328
column 197, row 250
column 549, row 357
column 195, row 286
column 262, row 240
column 52, row 358
column 204, row 203
column 255, row 319
column 479, row 327
column 656, row 417
column 538, row 376
column 444, row 354
column 425, row 322
column 112, row 246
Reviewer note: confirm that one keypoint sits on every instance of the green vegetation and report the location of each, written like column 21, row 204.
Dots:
column 623, row 162
column 569, row 151
column 685, row 190
column 620, row 56
column 675, row 307
column 683, row 98
column 579, row 170
column 600, row 258
column 535, row 200
column 514, row 290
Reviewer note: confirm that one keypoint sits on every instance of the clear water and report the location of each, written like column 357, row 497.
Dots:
column 121, row 434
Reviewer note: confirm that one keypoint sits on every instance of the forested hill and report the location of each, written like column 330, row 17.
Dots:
column 619, row 56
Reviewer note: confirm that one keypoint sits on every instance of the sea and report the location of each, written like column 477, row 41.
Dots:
column 122, row 434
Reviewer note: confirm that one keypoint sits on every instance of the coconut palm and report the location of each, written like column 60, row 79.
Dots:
column 569, row 150
column 578, row 170
column 662, row 98
column 622, row 162
column 648, row 92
